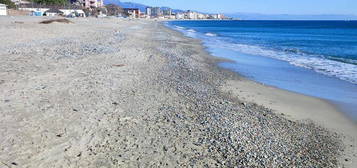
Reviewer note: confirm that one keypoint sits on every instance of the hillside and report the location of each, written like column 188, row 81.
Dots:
column 142, row 7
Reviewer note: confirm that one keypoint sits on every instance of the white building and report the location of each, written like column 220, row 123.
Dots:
column 167, row 12
column 148, row 11
column 156, row 12
column 180, row 16
column 191, row 15
column 217, row 16
column 201, row 16
column 91, row 3
column 3, row 10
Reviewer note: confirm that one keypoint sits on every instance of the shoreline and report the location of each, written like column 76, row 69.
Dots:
column 291, row 105
column 124, row 93
column 253, row 65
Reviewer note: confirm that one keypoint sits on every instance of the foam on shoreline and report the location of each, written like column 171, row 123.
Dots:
column 344, row 69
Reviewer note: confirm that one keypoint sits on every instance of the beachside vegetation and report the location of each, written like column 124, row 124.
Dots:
column 52, row 2
column 114, row 10
column 8, row 3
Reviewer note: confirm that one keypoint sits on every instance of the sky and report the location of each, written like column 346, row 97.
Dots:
column 293, row 7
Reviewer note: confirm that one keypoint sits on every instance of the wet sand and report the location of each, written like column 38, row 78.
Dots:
column 299, row 107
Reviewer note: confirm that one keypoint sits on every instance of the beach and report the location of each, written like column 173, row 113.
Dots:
column 114, row 92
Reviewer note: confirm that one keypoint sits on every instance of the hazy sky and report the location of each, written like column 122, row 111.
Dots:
column 260, row 6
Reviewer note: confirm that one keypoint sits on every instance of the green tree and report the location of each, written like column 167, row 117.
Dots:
column 114, row 10
column 9, row 3
column 51, row 2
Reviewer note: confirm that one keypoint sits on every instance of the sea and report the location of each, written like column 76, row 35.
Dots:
column 314, row 58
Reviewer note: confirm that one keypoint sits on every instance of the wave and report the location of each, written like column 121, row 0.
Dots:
column 191, row 30
column 344, row 69
column 179, row 27
column 211, row 34
column 320, row 64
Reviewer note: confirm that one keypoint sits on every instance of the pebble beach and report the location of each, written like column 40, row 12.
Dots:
column 114, row 92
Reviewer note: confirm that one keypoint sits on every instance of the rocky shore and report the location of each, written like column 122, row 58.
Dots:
column 123, row 93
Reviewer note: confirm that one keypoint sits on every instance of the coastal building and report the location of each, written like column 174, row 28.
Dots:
column 167, row 12
column 91, row 3
column 201, row 16
column 132, row 12
column 148, row 11
column 156, row 12
column 191, row 15
column 3, row 10
column 217, row 16
column 221, row 16
column 171, row 17
column 180, row 16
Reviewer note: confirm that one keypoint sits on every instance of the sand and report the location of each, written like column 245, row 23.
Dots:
column 131, row 93
column 299, row 107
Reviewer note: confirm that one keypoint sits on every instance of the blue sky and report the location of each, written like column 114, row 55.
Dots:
column 260, row 6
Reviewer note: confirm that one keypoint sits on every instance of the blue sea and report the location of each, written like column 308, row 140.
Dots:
column 315, row 58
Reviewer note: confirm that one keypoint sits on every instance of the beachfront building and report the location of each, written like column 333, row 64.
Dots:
column 201, row 16
column 180, row 16
column 156, row 12
column 3, row 10
column 171, row 16
column 167, row 12
column 132, row 12
column 191, row 15
column 91, row 3
column 217, row 16
column 148, row 11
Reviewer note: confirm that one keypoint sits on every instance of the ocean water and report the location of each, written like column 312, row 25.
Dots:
column 315, row 58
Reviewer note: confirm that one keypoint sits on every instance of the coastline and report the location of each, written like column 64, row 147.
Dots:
column 284, row 69
column 145, row 96
column 293, row 106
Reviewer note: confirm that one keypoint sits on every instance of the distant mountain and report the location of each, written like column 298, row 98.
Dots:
column 141, row 7
column 256, row 16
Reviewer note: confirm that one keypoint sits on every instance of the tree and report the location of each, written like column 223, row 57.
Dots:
column 114, row 10
column 51, row 2
column 8, row 3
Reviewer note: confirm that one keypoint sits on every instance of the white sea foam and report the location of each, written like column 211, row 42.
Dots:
column 319, row 64
column 191, row 30
column 211, row 34
column 179, row 27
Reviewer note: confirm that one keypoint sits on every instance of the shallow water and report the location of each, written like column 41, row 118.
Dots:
column 316, row 59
